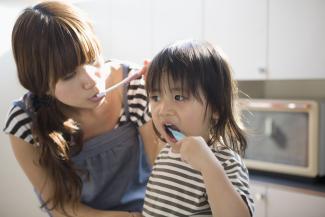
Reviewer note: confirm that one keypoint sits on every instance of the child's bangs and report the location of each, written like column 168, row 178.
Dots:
column 165, row 72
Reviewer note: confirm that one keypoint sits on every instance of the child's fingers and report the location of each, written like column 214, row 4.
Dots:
column 176, row 148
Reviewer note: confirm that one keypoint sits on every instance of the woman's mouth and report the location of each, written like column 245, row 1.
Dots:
column 96, row 98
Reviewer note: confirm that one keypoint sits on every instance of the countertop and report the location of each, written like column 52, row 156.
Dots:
column 311, row 185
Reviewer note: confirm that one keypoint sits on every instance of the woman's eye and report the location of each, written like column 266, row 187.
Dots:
column 92, row 62
column 68, row 76
column 179, row 98
column 97, row 61
column 154, row 98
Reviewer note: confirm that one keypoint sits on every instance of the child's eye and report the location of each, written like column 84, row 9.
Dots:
column 154, row 98
column 179, row 98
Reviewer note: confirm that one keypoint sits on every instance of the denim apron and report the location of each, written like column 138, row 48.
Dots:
column 117, row 167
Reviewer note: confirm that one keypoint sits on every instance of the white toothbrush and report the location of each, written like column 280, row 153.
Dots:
column 130, row 64
column 130, row 77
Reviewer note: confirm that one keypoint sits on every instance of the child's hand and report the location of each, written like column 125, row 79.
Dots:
column 195, row 151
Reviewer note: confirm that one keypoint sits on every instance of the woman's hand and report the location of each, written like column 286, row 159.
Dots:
column 135, row 214
column 144, row 69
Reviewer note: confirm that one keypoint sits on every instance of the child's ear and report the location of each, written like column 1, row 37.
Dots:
column 215, row 116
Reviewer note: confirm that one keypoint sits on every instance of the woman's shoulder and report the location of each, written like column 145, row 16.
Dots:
column 18, row 121
column 136, row 92
column 137, row 85
column 137, row 102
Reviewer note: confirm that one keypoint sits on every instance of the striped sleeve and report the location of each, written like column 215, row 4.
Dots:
column 18, row 123
column 237, row 174
column 138, row 103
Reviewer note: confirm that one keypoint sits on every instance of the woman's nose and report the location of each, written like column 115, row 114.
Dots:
column 90, row 77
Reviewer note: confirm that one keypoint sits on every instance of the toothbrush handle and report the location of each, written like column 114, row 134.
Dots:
column 124, row 81
column 131, row 65
column 178, row 135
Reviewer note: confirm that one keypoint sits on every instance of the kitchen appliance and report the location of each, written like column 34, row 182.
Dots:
column 285, row 136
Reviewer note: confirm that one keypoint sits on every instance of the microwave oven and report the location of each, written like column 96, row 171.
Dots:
column 285, row 136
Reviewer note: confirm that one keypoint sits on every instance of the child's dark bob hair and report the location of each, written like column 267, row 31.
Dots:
column 201, row 68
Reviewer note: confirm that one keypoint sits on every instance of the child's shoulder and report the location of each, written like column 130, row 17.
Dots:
column 228, row 156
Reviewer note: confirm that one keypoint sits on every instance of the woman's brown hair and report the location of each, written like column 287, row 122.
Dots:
column 49, row 40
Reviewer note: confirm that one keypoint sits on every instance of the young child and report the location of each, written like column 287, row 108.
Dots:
column 199, row 171
column 84, row 154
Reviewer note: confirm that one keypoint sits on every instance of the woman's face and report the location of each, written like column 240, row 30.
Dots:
column 79, row 88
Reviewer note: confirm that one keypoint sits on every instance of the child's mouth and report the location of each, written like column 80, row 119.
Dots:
column 168, row 128
column 173, row 132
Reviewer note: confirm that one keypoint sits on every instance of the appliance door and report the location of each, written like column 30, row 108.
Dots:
column 282, row 137
column 278, row 137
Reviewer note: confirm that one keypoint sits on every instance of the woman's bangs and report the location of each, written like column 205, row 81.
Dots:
column 75, row 48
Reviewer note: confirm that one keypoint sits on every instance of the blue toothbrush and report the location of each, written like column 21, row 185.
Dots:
column 177, row 135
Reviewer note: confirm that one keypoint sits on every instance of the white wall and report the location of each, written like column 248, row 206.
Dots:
column 17, row 198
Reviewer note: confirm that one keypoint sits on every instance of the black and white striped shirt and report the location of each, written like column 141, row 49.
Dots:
column 18, row 121
column 176, row 189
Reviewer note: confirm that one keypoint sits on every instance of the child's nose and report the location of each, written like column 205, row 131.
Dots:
column 165, row 108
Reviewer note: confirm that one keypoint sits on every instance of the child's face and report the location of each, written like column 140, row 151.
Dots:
column 79, row 88
column 184, row 113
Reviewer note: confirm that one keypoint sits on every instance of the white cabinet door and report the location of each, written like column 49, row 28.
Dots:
column 175, row 20
column 284, row 203
column 100, row 15
column 130, row 30
column 240, row 29
column 123, row 27
column 259, row 195
column 296, row 39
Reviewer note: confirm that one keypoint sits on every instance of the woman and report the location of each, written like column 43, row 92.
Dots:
column 83, row 153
